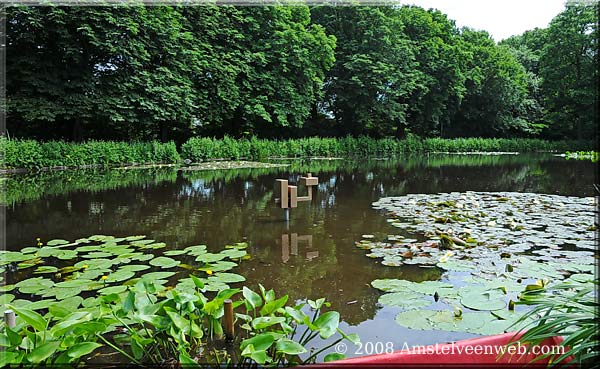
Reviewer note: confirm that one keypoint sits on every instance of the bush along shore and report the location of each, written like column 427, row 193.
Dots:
column 30, row 154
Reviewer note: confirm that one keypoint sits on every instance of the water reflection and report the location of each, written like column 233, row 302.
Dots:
column 312, row 256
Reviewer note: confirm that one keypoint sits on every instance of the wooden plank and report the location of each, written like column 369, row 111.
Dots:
column 293, row 196
column 281, row 188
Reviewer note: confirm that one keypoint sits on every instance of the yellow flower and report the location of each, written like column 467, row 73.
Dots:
column 38, row 239
column 209, row 272
column 85, row 266
column 443, row 259
column 449, row 253
column 104, row 277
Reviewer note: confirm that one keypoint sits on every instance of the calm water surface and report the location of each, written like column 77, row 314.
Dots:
column 314, row 254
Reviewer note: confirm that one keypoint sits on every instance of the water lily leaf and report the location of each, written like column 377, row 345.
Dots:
column 234, row 254
column 164, row 262
column 175, row 252
column 7, row 257
column 140, row 257
column 487, row 300
column 226, row 278
column 239, row 245
column 405, row 300
column 100, row 237
column 210, row 257
column 97, row 255
column 141, row 242
column 7, row 288
column 57, row 242
column 34, row 285
column 456, row 265
column 158, row 245
column 46, row 269
column 119, row 275
column 415, row 319
column 219, row 266
column 195, row 250
column 134, row 238
column 6, row 298
column 29, row 250
column 112, row 289
column 157, row 275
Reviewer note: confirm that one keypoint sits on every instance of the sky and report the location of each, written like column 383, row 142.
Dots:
column 501, row 18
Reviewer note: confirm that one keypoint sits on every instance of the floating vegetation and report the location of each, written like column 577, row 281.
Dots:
column 581, row 155
column 103, row 265
column 212, row 165
column 492, row 244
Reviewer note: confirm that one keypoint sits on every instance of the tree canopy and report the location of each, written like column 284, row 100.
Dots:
column 171, row 72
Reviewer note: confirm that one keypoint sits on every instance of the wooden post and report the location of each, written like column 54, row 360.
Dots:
column 228, row 319
column 281, row 187
column 293, row 196
column 10, row 318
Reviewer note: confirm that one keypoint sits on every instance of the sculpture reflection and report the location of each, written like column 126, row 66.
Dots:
column 289, row 246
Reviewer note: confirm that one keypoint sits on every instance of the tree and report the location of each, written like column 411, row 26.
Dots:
column 369, row 87
column 569, row 71
column 441, row 64
column 119, row 72
column 495, row 88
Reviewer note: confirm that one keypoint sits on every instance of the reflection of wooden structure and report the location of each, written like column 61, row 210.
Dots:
column 289, row 245
column 287, row 196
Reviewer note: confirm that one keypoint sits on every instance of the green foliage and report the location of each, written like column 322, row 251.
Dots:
column 31, row 154
column 583, row 155
column 198, row 149
column 568, row 309
column 55, row 339
column 569, row 71
column 135, row 72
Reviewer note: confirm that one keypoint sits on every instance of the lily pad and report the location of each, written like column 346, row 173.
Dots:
column 416, row 319
column 487, row 300
column 404, row 300
column 112, row 289
column 57, row 242
column 164, row 262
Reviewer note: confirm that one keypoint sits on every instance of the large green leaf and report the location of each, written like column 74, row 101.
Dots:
column 289, row 347
column 31, row 317
column 260, row 342
column 327, row 323
column 82, row 348
column 42, row 352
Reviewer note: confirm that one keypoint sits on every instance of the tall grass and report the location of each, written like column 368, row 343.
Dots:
column 207, row 148
column 32, row 154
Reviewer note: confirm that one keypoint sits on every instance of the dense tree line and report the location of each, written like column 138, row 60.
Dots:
column 173, row 72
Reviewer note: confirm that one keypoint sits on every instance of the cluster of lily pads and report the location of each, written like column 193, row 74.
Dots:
column 102, row 265
column 492, row 244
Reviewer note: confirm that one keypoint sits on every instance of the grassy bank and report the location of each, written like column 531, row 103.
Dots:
column 31, row 154
column 197, row 149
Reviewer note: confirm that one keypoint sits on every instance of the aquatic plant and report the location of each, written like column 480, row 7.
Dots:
column 569, row 309
column 582, row 155
column 206, row 148
column 106, row 300
column 507, row 242
column 30, row 154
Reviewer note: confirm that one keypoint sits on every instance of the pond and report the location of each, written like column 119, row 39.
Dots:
column 314, row 254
